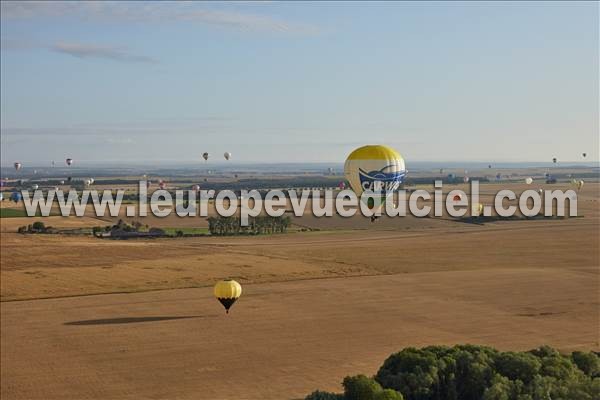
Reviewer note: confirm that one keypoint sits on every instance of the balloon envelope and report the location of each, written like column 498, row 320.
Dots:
column 227, row 292
column 529, row 180
column 227, row 155
column 374, row 168
column 18, row 166
column 69, row 161
column 205, row 156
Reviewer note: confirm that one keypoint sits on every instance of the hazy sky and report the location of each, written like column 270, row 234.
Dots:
column 296, row 81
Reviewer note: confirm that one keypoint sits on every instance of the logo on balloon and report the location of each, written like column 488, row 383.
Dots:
column 385, row 179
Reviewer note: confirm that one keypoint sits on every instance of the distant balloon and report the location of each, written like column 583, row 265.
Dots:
column 490, row 166
column 18, row 166
column 162, row 185
column 529, row 180
column 205, row 156
column 584, row 155
column 92, row 181
column 88, row 182
column 69, row 161
column 227, row 292
column 34, row 187
column 196, row 188
column 479, row 211
column 498, row 176
column 16, row 197
column 227, row 155
column 554, row 160
column 466, row 179
column 342, row 185
column 580, row 184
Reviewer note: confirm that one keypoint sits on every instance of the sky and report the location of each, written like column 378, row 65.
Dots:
column 298, row 82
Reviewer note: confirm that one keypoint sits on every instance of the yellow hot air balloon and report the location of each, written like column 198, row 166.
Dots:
column 374, row 168
column 227, row 292
column 479, row 211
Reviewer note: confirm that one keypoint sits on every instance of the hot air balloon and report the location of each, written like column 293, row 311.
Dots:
column 490, row 166
column 580, row 184
column 498, row 176
column 196, row 188
column 34, row 187
column 342, row 185
column 87, row 182
column 584, row 155
column 205, row 156
column 18, row 166
column 16, row 197
column 227, row 155
column 554, row 160
column 479, row 211
column 92, row 181
column 374, row 168
column 466, row 179
column 529, row 180
column 227, row 292
column 69, row 161
column 162, row 185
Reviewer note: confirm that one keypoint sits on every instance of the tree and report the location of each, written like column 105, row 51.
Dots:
column 589, row 363
column 360, row 387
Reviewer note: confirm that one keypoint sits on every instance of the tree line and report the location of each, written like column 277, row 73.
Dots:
column 467, row 372
column 227, row 226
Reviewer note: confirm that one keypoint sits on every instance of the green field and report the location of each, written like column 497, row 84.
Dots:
column 18, row 213
column 187, row 231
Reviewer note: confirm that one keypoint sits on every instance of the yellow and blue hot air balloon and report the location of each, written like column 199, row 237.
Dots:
column 374, row 168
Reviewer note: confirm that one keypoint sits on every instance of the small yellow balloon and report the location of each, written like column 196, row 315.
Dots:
column 227, row 292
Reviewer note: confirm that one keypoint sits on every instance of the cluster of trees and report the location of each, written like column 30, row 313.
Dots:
column 468, row 372
column 225, row 226
column 36, row 227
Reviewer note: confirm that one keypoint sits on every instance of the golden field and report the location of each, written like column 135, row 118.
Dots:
column 89, row 318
